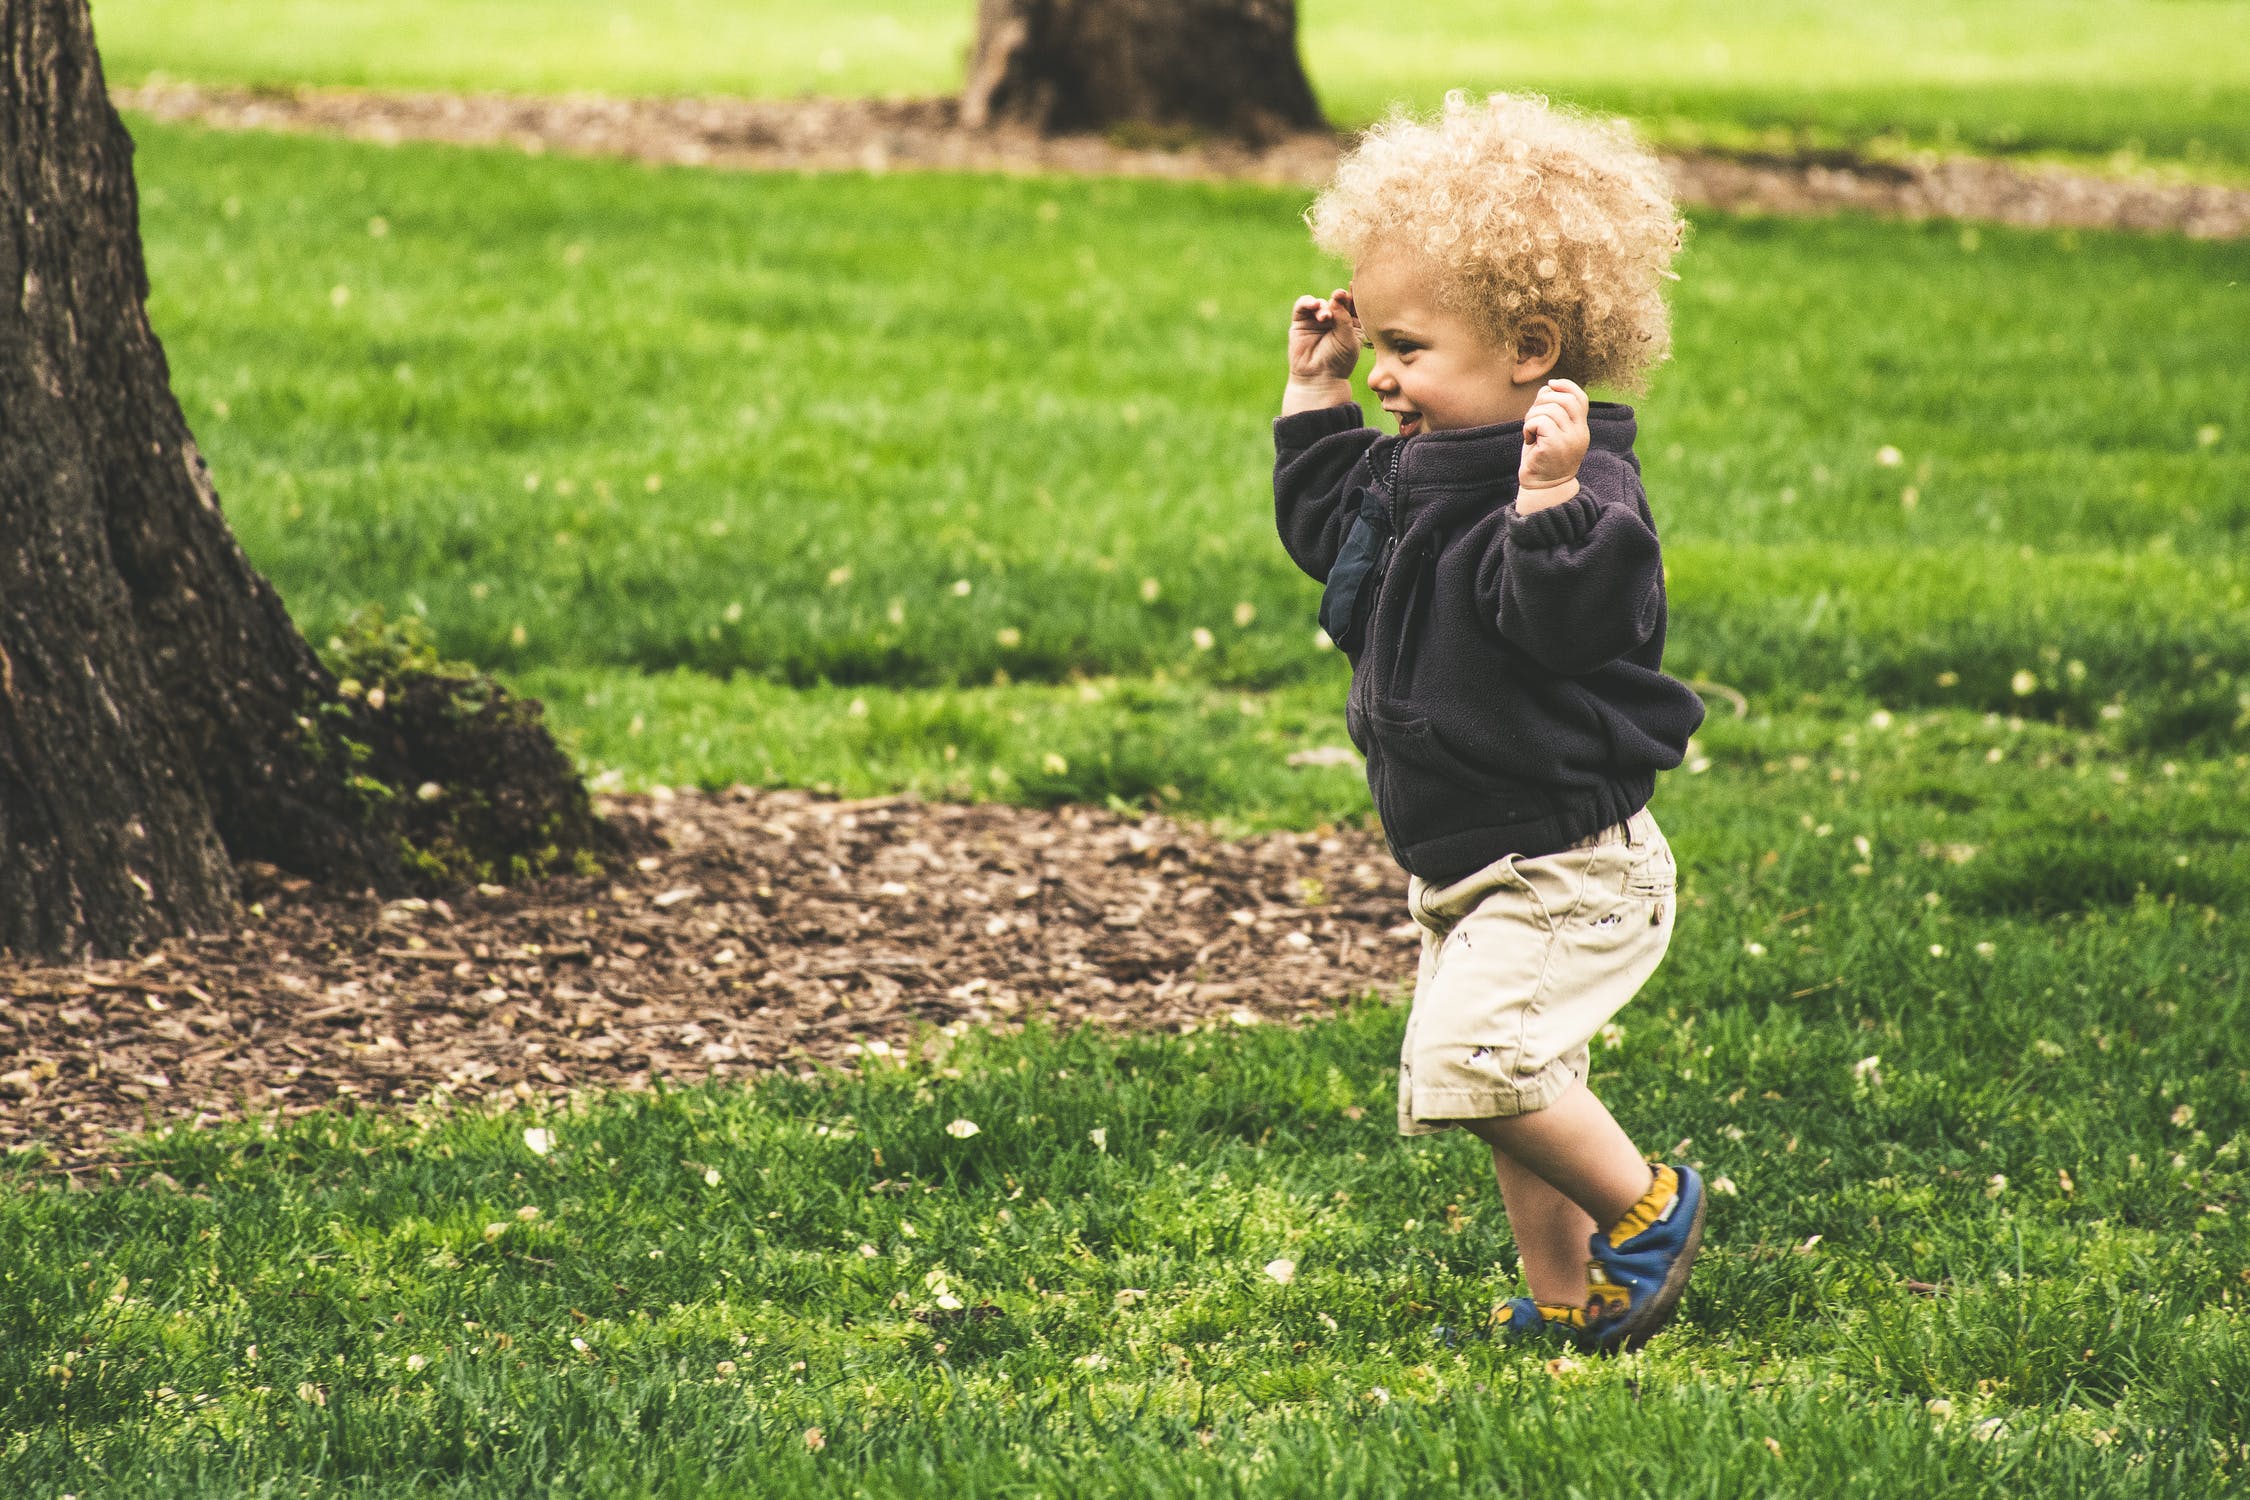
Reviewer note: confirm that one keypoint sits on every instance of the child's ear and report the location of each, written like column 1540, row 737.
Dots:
column 1538, row 348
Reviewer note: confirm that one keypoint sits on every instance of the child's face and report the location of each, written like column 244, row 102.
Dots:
column 1434, row 370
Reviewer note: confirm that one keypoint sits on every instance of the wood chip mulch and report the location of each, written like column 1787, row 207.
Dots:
column 769, row 929
column 874, row 135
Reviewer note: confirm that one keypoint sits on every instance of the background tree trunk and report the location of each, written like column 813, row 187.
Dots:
column 160, row 716
column 1211, row 67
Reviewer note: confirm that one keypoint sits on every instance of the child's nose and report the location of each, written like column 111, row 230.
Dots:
column 1382, row 377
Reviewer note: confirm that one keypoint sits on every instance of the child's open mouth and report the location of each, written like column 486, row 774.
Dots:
column 1409, row 422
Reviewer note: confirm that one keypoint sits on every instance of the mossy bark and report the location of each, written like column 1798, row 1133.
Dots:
column 161, row 718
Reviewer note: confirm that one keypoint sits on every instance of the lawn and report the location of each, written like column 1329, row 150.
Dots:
column 869, row 431
column 1981, row 1234
column 1959, row 997
column 2167, row 80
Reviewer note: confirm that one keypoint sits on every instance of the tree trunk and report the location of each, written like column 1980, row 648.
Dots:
column 160, row 716
column 1204, row 67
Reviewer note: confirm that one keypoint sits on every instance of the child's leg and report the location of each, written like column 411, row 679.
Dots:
column 1550, row 1233
column 1563, row 1171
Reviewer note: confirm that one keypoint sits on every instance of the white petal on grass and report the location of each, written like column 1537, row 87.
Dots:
column 1099, row 1135
column 1283, row 1271
column 1724, row 1187
column 539, row 1140
column 961, row 1130
column 1869, row 1067
column 949, row 1302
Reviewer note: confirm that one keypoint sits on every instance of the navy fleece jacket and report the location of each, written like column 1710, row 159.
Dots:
column 1507, row 683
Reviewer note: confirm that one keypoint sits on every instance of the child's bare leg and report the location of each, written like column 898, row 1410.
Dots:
column 1584, row 1160
column 1550, row 1232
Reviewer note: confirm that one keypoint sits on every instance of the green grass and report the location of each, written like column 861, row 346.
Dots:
column 375, row 1305
column 1933, row 841
column 891, row 422
column 2165, row 79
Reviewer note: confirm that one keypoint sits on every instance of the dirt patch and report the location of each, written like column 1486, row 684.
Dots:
column 768, row 929
column 876, row 135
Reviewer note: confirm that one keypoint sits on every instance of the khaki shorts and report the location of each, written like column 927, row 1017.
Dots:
column 1522, row 962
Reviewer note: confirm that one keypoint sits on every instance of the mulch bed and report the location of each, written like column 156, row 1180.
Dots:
column 766, row 929
column 877, row 135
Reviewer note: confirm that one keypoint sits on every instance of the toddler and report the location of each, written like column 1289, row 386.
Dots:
column 1492, row 573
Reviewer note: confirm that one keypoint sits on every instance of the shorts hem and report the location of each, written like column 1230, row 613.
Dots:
column 1443, row 1109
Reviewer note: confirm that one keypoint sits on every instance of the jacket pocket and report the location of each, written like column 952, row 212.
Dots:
column 1422, row 788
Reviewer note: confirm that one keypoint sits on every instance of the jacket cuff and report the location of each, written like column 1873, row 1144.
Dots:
column 1306, row 428
column 1557, row 525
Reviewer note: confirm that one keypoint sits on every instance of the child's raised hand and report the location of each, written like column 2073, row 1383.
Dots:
column 1554, row 438
column 1323, row 337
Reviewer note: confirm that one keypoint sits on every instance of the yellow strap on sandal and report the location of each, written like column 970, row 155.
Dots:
column 1657, row 1202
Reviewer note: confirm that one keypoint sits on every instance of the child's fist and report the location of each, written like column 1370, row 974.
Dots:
column 1323, row 337
column 1554, row 442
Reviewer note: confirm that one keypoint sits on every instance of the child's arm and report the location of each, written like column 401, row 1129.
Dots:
column 1578, row 579
column 1320, row 438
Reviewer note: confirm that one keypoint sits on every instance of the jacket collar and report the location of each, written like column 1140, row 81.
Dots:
column 1481, row 462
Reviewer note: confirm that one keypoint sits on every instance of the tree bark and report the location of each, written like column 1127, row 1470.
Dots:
column 1224, row 68
column 160, row 715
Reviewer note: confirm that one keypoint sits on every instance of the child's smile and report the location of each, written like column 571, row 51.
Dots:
column 1435, row 370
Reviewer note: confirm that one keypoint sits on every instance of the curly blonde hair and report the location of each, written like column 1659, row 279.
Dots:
column 1519, row 209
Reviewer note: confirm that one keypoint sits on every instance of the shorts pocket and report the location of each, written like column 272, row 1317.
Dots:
column 1651, row 875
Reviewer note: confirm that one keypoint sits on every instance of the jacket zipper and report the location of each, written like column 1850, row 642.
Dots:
column 1392, row 482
